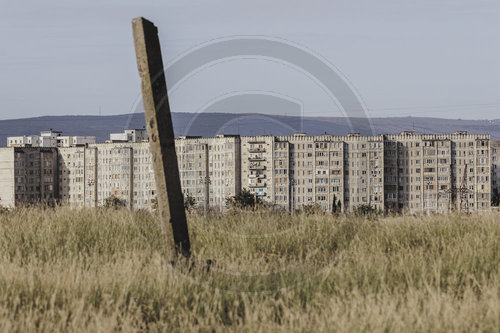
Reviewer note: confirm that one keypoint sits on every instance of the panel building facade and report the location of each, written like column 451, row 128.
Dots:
column 338, row 173
column 28, row 176
column 210, row 168
column 49, row 139
column 437, row 173
column 407, row 173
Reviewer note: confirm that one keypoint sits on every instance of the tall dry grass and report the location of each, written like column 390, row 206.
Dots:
column 104, row 270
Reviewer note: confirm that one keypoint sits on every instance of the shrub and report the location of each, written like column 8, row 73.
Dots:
column 114, row 202
column 243, row 200
column 366, row 210
column 310, row 209
column 189, row 202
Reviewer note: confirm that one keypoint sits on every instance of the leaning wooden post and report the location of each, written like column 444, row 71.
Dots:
column 161, row 133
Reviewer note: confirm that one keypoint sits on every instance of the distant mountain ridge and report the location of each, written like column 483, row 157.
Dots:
column 210, row 124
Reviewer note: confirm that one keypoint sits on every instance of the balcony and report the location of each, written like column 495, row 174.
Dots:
column 254, row 185
column 256, row 158
column 260, row 176
column 257, row 167
column 257, row 150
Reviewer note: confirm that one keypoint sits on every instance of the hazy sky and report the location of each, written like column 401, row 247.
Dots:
column 421, row 58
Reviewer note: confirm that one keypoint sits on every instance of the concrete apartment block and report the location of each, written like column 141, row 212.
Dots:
column 96, row 172
column 495, row 166
column 133, row 135
column 407, row 173
column 93, row 173
column 115, row 172
column 28, row 176
column 22, row 141
column 7, row 178
column 49, row 139
column 425, row 172
column 77, row 176
column 209, row 168
column 257, row 172
column 336, row 172
column 71, row 179
column 74, row 141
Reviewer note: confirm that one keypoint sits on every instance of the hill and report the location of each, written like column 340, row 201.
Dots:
column 209, row 124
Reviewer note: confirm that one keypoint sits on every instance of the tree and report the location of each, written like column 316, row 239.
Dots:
column 336, row 206
column 189, row 202
column 243, row 200
column 114, row 202
column 366, row 210
column 154, row 204
column 3, row 210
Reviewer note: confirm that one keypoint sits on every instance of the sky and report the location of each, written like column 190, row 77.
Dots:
column 401, row 57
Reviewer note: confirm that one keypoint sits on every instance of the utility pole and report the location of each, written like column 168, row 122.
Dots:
column 428, row 183
column 161, row 133
column 206, row 181
column 461, row 192
column 464, row 192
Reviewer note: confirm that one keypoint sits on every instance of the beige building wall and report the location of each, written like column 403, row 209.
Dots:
column 73, row 141
column 71, row 176
column 402, row 173
column 77, row 176
column 282, row 179
column 336, row 172
column 115, row 163
column 364, row 171
column 143, row 186
column 257, row 172
column 7, row 178
column 91, row 174
column 209, row 169
column 425, row 173
column 124, row 170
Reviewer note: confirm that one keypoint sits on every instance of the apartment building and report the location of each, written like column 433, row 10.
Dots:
column 49, row 139
column 406, row 173
column 132, row 135
column 495, row 167
column 28, row 176
column 77, row 176
column 436, row 173
column 89, row 175
column 74, row 141
column 400, row 173
column 257, row 169
column 338, row 173
column 210, row 168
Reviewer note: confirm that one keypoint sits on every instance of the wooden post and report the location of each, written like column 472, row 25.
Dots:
column 161, row 133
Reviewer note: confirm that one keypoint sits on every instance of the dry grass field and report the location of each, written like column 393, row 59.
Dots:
column 106, row 270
